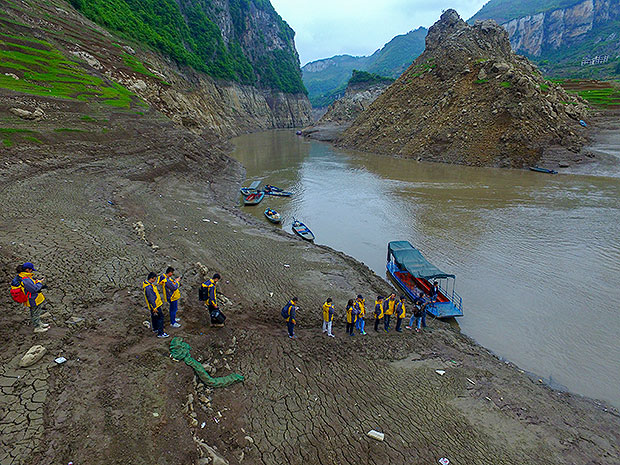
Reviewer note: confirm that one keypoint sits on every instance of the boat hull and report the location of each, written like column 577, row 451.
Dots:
column 542, row 170
column 443, row 308
column 254, row 199
column 303, row 231
column 275, row 219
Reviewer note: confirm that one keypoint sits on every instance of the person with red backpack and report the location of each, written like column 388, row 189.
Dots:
column 27, row 291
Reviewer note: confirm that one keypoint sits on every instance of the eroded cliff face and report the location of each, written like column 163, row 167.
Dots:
column 551, row 30
column 190, row 98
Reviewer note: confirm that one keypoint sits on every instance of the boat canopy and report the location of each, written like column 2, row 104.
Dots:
column 411, row 259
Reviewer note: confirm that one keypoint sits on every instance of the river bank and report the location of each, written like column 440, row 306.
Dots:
column 70, row 207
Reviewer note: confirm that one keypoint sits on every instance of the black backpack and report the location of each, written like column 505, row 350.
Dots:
column 203, row 293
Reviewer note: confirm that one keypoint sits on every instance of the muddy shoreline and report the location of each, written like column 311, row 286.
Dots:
column 71, row 205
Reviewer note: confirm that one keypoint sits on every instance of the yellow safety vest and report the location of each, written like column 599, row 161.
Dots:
column 40, row 297
column 158, row 302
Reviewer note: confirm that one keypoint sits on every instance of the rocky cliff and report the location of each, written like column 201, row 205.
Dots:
column 190, row 97
column 469, row 99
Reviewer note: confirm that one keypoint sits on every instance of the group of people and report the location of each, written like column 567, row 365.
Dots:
column 161, row 289
column 355, row 313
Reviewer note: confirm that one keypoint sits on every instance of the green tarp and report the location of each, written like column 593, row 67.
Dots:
column 180, row 351
column 408, row 257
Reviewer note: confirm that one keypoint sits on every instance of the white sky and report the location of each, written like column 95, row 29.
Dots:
column 325, row 28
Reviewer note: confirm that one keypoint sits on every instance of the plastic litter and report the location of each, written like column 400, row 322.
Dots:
column 444, row 461
column 60, row 360
column 376, row 435
column 471, row 381
column 440, row 372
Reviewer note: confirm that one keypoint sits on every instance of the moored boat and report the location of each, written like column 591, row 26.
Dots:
column 277, row 191
column 253, row 189
column 542, row 170
column 302, row 230
column 253, row 199
column 413, row 274
column 273, row 215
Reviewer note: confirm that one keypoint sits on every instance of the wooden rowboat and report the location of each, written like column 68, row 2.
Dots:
column 302, row 230
column 273, row 216
column 253, row 199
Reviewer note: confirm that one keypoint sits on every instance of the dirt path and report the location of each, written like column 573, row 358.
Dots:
column 70, row 206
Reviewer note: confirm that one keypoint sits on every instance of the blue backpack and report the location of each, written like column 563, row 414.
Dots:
column 285, row 311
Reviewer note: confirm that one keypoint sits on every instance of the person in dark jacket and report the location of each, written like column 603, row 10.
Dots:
column 351, row 317
column 154, row 304
column 171, row 294
column 290, row 310
column 378, row 312
column 360, row 308
column 35, row 298
column 212, row 305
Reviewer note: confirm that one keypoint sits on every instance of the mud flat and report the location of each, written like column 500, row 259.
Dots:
column 70, row 203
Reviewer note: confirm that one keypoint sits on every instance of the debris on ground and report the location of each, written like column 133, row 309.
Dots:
column 34, row 354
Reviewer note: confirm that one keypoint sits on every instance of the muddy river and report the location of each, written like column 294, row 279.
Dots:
column 537, row 257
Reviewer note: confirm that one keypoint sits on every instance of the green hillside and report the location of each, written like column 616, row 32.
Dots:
column 327, row 79
column 185, row 31
column 505, row 10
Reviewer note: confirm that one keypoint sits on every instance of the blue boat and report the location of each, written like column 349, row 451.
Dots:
column 413, row 274
column 253, row 189
column 543, row 170
column 277, row 191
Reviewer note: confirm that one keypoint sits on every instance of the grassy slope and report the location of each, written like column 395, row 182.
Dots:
column 185, row 32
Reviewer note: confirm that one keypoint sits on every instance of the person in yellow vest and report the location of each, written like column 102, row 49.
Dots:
column 217, row 318
column 289, row 312
column 400, row 313
column 388, row 310
column 378, row 311
column 171, row 294
column 328, row 317
column 34, row 297
column 360, row 308
column 154, row 304
column 351, row 317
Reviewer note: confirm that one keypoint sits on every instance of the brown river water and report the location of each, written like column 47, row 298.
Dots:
column 537, row 257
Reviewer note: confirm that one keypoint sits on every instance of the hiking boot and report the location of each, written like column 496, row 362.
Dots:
column 45, row 325
column 331, row 335
column 162, row 336
column 40, row 329
column 176, row 325
column 408, row 327
column 219, row 325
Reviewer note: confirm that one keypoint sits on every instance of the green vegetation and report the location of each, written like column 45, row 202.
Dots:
column 602, row 94
column 505, row 84
column 137, row 66
column 327, row 79
column 544, row 87
column 88, row 118
column 8, row 135
column 505, row 10
column 360, row 77
column 68, row 130
column 43, row 70
column 481, row 81
column 185, row 32
column 422, row 68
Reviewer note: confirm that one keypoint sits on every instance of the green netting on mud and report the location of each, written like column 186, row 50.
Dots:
column 180, row 351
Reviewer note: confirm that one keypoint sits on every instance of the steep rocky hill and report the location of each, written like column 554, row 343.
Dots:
column 469, row 99
column 327, row 79
column 50, row 49
column 561, row 36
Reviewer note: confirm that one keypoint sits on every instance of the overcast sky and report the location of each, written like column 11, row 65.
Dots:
column 325, row 28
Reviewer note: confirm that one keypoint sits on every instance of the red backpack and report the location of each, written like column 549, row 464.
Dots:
column 18, row 294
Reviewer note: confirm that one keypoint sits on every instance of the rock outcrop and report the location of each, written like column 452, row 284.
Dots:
column 469, row 99
column 561, row 27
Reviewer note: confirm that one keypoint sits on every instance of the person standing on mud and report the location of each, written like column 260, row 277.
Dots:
column 400, row 313
column 388, row 311
column 351, row 317
column 419, row 314
column 328, row 317
column 360, row 308
column 288, row 312
column 214, row 309
column 154, row 304
column 34, row 296
column 171, row 294
column 378, row 311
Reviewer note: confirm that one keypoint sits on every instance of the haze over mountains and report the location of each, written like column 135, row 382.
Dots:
column 565, row 38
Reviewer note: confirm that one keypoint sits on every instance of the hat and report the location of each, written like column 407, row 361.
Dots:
column 359, row 296
column 27, row 265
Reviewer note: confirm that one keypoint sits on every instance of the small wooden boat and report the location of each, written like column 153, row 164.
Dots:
column 543, row 170
column 273, row 216
column 253, row 189
column 413, row 274
column 273, row 190
column 302, row 230
column 253, row 199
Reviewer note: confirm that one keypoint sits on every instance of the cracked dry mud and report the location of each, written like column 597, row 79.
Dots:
column 70, row 206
